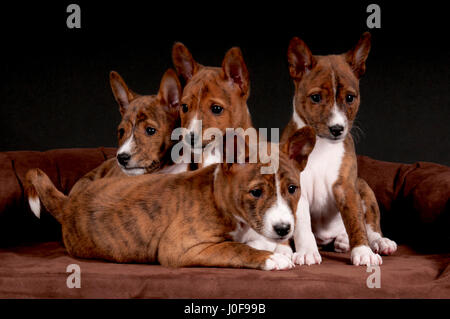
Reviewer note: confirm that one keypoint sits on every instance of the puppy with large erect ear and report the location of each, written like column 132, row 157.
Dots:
column 213, row 97
column 343, row 208
column 158, row 224
column 144, row 134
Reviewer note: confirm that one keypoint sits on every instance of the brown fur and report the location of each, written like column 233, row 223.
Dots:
column 227, row 86
column 175, row 219
column 319, row 75
column 160, row 111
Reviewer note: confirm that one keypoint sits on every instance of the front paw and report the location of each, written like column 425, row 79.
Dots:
column 278, row 262
column 342, row 243
column 364, row 256
column 307, row 257
column 383, row 246
column 284, row 250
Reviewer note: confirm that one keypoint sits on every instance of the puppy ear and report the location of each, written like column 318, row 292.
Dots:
column 357, row 56
column 235, row 70
column 122, row 93
column 170, row 91
column 300, row 145
column 183, row 61
column 300, row 58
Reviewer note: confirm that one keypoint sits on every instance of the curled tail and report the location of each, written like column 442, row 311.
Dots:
column 38, row 187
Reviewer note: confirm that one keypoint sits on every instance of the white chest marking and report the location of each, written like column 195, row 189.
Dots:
column 317, row 179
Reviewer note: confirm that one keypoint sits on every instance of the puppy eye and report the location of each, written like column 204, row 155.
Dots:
column 349, row 98
column 121, row 132
column 292, row 189
column 216, row 109
column 185, row 108
column 256, row 192
column 316, row 98
column 150, row 131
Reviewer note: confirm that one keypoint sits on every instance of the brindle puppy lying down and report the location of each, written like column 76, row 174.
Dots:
column 187, row 219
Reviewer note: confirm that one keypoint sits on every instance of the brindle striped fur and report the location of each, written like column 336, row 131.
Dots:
column 175, row 219
column 159, row 111
column 227, row 86
column 320, row 74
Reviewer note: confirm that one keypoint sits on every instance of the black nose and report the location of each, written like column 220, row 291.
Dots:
column 336, row 130
column 282, row 229
column 123, row 158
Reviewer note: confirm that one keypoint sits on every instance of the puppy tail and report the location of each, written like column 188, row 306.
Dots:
column 38, row 187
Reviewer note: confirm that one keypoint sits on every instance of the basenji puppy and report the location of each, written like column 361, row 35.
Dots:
column 213, row 97
column 343, row 207
column 147, row 219
column 216, row 97
column 144, row 134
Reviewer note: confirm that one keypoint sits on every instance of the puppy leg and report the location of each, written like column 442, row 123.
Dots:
column 342, row 243
column 306, row 251
column 348, row 202
column 377, row 242
column 234, row 255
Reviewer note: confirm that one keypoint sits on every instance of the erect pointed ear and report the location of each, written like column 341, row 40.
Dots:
column 122, row 93
column 300, row 58
column 170, row 91
column 357, row 56
column 183, row 61
column 300, row 145
column 235, row 70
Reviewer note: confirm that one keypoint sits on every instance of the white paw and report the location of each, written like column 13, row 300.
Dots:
column 262, row 244
column 383, row 246
column 307, row 257
column 284, row 250
column 364, row 256
column 341, row 243
column 278, row 262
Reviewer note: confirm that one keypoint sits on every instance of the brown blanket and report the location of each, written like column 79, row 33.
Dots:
column 413, row 198
column 39, row 271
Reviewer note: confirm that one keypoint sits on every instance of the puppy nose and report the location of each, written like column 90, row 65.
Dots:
column 336, row 130
column 282, row 229
column 123, row 158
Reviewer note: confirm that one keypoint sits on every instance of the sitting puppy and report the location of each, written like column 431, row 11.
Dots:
column 343, row 208
column 186, row 219
column 143, row 134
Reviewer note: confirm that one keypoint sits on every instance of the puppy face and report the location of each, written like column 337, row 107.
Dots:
column 268, row 202
column 327, row 87
column 213, row 97
column 147, row 123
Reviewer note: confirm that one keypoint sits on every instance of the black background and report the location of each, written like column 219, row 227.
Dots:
column 54, row 81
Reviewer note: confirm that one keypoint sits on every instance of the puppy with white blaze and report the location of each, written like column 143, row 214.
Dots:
column 343, row 209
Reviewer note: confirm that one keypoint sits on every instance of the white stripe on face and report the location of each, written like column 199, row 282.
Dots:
column 195, row 126
column 280, row 213
column 337, row 117
column 128, row 146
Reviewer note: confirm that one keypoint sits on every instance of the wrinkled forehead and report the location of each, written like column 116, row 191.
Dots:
column 207, row 82
column 145, row 108
column 331, row 71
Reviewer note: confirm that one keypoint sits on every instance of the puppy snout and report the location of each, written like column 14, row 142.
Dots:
column 336, row 130
column 282, row 229
column 123, row 158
